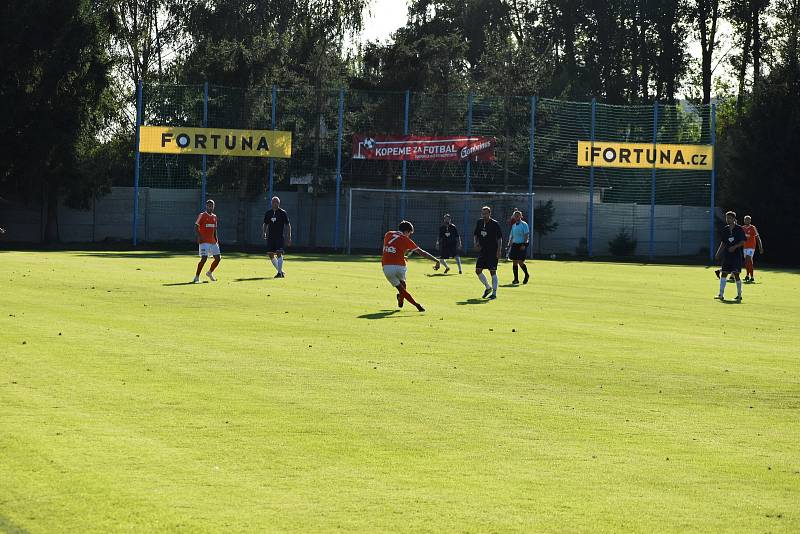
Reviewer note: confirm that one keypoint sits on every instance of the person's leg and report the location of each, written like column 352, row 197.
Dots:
column 444, row 262
column 280, row 262
column 401, row 288
column 458, row 262
column 214, row 264
column 495, row 283
column 723, row 281
column 482, row 277
column 200, row 267
column 738, row 286
column 524, row 270
column 273, row 260
column 515, row 268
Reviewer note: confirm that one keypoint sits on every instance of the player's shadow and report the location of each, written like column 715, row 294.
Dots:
column 257, row 279
column 183, row 283
column 383, row 314
column 431, row 275
column 730, row 301
column 471, row 301
column 510, row 285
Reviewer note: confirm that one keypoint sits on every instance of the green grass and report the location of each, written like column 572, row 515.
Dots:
column 600, row 397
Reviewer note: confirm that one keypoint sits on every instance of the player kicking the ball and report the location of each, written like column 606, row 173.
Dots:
column 206, row 229
column 395, row 245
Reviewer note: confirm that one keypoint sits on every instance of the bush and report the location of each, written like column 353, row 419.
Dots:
column 623, row 244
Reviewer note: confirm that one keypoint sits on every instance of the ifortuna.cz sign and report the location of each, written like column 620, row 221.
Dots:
column 645, row 156
column 215, row 141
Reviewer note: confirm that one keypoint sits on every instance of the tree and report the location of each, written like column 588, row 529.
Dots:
column 52, row 79
column 543, row 223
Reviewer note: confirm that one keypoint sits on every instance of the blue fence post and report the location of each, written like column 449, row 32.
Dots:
column 590, row 228
column 339, row 134
column 274, row 105
column 468, row 172
column 406, row 104
column 711, row 218
column 651, row 250
column 137, row 165
column 531, row 162
column 203, row 176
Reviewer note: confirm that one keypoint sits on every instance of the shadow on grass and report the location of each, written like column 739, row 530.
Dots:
column 472, row 301
column 510, row 285
column 730, row 301
column 433, row 275
column 183, row 283
column 383, row 314
column 257, row 279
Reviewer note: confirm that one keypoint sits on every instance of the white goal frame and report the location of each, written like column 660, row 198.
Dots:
column 400, row 192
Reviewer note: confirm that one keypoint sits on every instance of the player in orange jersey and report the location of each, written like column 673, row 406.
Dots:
column 753, row 238
column 206, row 229
column 395, row 245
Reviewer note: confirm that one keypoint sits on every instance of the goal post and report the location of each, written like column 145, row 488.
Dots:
column 373, row 212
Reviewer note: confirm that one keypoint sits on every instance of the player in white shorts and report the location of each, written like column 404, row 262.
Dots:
column 205, row 227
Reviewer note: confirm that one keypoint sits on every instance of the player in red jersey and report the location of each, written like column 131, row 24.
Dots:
column 206, row 229
column 395, row 245
column 753, row 238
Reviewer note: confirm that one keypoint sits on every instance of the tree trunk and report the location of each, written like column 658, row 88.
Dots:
column 743, row 65
column 756, row 25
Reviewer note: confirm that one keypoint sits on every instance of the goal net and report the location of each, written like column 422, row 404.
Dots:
column 373, row 212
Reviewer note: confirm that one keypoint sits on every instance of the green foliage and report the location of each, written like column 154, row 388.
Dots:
column 623, row 244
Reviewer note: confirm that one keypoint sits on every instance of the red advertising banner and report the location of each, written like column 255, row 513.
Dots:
column 418, row 148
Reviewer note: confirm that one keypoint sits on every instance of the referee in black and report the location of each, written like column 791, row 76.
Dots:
column 488, row 238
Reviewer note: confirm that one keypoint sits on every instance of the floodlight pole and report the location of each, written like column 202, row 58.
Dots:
column 203, row 175
column 137, row 165
column 531, row 158
column 651, row 251
column 339, row 134
column 711, row 218
column 468, row 172
column 274, row 105
column 591, row 184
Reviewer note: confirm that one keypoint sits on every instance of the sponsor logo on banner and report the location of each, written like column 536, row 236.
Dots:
column 215, row 141
column 418, row 148
column 645, row 156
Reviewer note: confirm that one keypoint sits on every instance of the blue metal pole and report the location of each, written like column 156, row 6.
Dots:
column 531, row 160
column 711, row 231
column 468, row 173
column 137, row 166
column 406, row 105
column 651, row 252
column 272, row 125
column 339, row 166
column 591, row 184
column 205, row 125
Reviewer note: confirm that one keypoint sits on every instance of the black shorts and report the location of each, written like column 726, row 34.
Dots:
column 732, row 263
column 487, row 262
column 275, row 244
column 518, row 252
column 448, row 251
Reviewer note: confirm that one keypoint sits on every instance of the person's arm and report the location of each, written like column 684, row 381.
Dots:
column 197, row 229
column 426, row 254
column 499, row 246
column 264, row 228
column 719, row 250
column 739, row 244
column 760, row 244
column 288, row 234
column 475, row 237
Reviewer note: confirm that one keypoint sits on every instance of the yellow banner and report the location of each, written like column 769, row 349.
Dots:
column 645, row 156
column 215, row 141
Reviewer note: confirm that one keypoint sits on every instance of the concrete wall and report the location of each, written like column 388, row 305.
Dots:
column 168, row 215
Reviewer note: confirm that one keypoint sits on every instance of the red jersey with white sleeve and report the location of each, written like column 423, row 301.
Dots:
column 751, row 233
column 207, row 227
column 395, row 246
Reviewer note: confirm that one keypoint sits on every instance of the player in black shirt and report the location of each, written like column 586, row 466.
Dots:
column 730, row 251
column 489, row 242
column 449, row 243
column 275, row 221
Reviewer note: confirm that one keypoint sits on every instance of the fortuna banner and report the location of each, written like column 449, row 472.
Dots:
column 645, row 156
column 215, row 141
column 418, row 148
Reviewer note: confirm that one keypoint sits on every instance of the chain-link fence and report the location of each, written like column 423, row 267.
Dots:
column 651, row 209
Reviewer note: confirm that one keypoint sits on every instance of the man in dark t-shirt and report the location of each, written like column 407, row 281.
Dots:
column 449, row 243
column 730, row 252
column 488, row 238
column 276, row 221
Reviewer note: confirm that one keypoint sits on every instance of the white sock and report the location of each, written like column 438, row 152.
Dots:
column 494, row 283
column 275, row 263
column 722, row 281
column 739, row 287
column 482, row 278
column 458, row 262
column 280, row 264
column 444, row 262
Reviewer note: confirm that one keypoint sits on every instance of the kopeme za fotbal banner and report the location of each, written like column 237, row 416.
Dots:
column 422, row 148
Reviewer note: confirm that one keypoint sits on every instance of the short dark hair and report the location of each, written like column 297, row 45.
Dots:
column 406, row 226
column 731, row 213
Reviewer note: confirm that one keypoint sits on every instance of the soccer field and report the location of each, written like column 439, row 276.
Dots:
column 599, row 397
